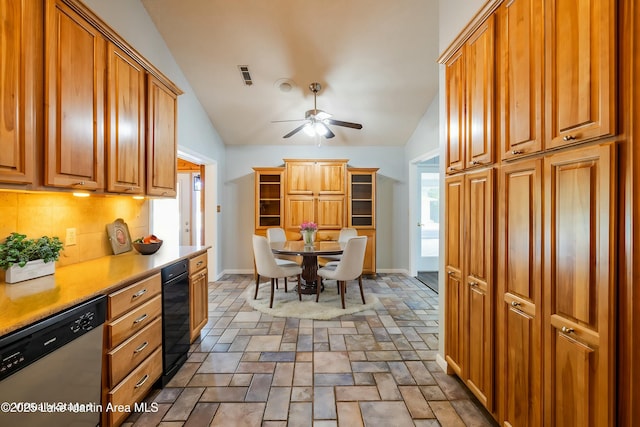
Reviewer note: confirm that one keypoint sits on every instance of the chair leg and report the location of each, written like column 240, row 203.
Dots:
column 273, row 282
column 318, row 287
column 343, row 289
column 361, row 291
column 277, row 287
column 299, row 293
column 257, row 284
column 285, row 285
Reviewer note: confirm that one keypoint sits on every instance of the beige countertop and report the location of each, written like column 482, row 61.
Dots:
column 26, row 302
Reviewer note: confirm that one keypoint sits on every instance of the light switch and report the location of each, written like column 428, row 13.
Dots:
column 71, row 237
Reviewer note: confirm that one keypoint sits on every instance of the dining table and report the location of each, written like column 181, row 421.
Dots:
column 309, row 253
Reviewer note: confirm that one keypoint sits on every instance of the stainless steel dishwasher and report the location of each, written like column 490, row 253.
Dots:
column 50, row 371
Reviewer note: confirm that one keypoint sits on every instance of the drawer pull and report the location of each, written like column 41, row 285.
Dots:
column 142, row 347
column 139, row 293
column 516, row 152
column 567, row 330
column 450, row 273
column 140, row 319
column 473, row 284
column 568, row 138
column 142, row 381
column 515, row 304
column 475, row 162
column 199, row 263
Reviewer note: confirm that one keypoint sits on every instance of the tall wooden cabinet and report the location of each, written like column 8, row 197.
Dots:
column 326, row 192
column 75, row 55
column 20, row 96
column 537, row 343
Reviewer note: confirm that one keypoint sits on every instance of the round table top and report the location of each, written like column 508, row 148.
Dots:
column 297, row 247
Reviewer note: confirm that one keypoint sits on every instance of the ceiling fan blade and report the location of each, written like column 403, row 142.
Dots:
column 283, row 121
column 345, row 124
column 329, row 134
column 296, row 130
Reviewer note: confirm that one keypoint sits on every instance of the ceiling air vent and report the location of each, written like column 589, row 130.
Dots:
column 246, row 77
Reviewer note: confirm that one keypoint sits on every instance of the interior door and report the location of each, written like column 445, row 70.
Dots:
column 184, row 204
column 428, row 226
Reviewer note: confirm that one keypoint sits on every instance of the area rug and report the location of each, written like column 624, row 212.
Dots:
column 329, row 306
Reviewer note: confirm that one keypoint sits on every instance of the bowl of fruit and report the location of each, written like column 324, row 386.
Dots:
column 147, row 245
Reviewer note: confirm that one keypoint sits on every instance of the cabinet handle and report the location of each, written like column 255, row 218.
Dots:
column 79, row 183
column 140, row 319
column 451, row 168
column 142, row 381
column 568, row 138
column 142, row 347
column 567, row 330
column 515, row 304
column 516, row 152
column 199, row 263
column 475, row 162
column 450, row 273
column 138, row 294
column 473, row 284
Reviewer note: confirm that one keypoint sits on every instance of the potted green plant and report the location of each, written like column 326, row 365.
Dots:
column 25, row 259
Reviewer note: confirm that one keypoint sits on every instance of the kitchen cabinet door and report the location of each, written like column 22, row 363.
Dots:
column 579, row 287
column 580, row 70
column 479, row 284
column 269, row 197
column 454, row 112
column 125, row 123
column 299, row 209
column 331, row 212
column 162, row 141
column 480, row 88
column 519, row 278
column 331, row 177
column 20, row 88
column 454, row 309
column 300, row 177
column 75, row 56
column 199, row 310
column 521, row 72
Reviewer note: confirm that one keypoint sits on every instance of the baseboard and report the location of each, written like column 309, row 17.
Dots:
column 441, row 362
column 393, row 271
column 237, row 271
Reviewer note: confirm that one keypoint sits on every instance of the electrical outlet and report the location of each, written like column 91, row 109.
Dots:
column 71, row 237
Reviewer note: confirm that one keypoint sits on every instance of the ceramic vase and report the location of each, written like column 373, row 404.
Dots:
column 308, row 236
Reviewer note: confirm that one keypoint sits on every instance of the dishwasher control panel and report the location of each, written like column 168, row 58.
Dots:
column 32, row 342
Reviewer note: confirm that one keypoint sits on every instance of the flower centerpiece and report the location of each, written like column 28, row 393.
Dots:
column 308, row 231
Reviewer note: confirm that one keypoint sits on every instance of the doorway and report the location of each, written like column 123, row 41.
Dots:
column 190, row 203
column 428, row 224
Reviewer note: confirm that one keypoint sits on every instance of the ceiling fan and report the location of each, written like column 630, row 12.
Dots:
column 316, row 121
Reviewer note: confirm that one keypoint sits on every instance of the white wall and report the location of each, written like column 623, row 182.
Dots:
column 196, row 134
column 238, row 203
column 454, row 16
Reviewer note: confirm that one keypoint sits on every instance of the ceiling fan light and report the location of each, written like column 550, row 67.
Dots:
column 320, row 128
column 309, row 129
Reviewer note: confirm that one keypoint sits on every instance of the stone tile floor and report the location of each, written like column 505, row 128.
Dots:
column 374, row 368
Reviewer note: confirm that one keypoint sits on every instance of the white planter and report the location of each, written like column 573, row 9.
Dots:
column 31, row 270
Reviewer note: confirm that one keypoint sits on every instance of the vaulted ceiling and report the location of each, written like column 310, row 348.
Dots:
column 375, row 60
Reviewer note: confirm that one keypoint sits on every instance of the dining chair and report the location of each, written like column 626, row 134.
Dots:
column 332, row 260
column 266, row 266
column 348, row 268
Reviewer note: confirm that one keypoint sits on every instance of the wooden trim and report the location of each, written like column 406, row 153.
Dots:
column 489, row 7
column 116, row 39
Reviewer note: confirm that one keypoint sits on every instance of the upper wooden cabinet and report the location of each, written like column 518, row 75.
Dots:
column 75, row 54
column 580, row 70
column 125, row 123
column 20, row 89
column 316, row 176
column 162, row 143
column 454, row 112
column 480, row 84
column 520, row 71
column 469, row 105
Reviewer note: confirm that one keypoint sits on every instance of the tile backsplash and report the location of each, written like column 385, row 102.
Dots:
column 50, row 214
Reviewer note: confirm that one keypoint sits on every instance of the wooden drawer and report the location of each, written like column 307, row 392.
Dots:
column 135, row 386
column 197, row 263
column 134, row 294
column 127, row 325
column 124, row 358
